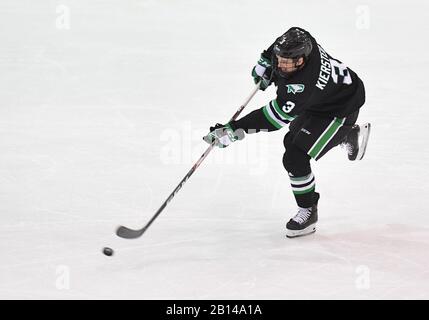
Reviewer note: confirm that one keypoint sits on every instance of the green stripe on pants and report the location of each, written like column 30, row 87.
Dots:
column 326, row 137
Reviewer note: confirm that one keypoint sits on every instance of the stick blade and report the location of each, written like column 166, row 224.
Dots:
column 128, row 233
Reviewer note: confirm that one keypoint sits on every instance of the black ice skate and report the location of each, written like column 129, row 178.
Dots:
column 356, row 141
column 304, row 221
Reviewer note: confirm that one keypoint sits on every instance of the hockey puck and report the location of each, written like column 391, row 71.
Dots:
column 108, row 251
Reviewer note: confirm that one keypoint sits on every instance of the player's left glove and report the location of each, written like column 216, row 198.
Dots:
column 223, row 135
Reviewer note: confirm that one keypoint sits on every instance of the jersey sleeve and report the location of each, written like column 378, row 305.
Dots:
column 268, row 118
column 276, row 114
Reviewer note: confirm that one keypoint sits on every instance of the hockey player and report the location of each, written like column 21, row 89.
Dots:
column 320, row 97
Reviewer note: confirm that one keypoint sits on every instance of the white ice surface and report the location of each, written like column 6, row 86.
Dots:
column 99, row 123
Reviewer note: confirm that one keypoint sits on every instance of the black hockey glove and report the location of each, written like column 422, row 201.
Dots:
column 262, row 72
column 223, row 135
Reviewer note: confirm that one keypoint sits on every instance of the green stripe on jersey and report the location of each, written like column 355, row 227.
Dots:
column 271, row 120
column 280, row 111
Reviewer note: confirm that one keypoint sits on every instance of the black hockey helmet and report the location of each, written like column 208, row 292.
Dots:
column 294, row 44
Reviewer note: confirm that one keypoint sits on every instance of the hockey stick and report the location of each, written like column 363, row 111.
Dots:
column 128, row 233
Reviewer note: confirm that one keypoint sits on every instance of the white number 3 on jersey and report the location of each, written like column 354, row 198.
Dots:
column 340, row 73
column 288, row 106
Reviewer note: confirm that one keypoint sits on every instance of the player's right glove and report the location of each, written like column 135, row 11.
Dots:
column 262, row 72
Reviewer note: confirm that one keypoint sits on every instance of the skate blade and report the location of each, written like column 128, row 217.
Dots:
column 364, row 133
column 299, row 233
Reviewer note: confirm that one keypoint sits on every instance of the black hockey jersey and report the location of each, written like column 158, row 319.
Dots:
column 324, row 87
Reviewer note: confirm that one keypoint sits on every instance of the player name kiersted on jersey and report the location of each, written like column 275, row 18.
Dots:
column 183, row 310
column 325, row 69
